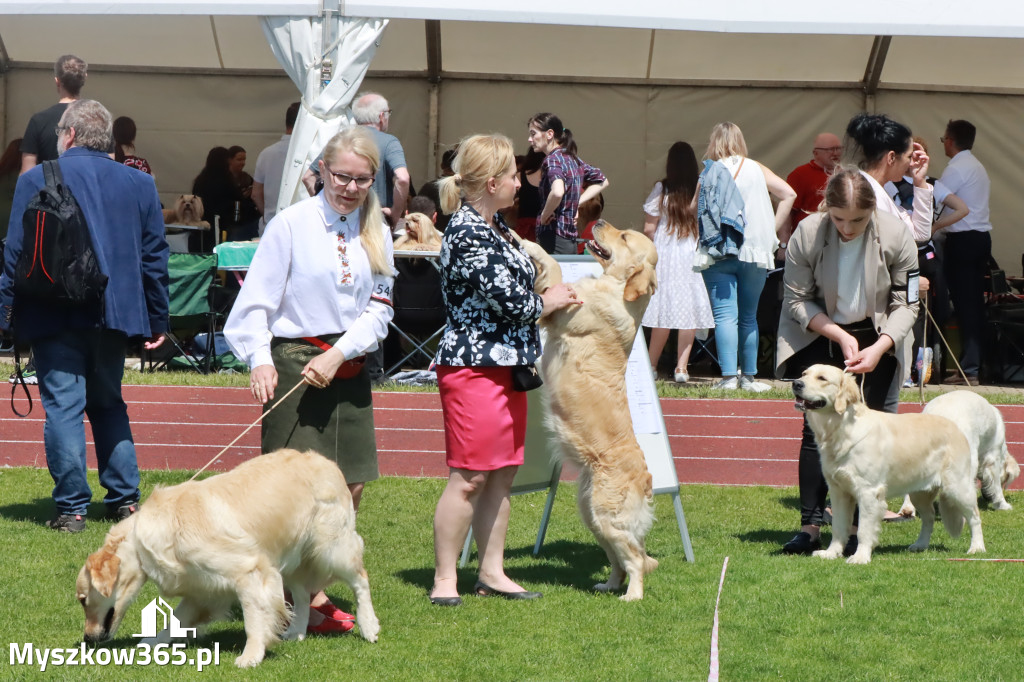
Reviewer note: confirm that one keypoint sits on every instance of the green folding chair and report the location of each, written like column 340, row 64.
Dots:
column 191, row 276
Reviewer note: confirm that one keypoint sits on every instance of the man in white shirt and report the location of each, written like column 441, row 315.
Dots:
column 968, row 249
column 266, row 183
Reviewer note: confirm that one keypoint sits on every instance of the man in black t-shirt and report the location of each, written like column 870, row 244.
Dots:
column 40, row 140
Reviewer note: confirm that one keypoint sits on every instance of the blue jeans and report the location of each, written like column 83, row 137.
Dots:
column 80, row 374
column 734, row 289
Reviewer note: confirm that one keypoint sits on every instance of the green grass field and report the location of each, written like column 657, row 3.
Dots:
column 903, row 617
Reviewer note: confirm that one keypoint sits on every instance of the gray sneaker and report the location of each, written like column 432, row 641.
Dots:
column 726, row 384
column 124, row 511
column 69, row 523
column 749, row 384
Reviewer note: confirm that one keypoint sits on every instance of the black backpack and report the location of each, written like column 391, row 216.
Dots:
column 57, row 263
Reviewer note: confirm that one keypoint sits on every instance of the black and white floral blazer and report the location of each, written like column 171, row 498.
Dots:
column 487, row 282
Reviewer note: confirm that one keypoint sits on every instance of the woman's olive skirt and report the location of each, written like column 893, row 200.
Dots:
column 336, row 421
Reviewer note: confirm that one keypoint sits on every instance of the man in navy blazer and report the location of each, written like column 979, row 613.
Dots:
column 80, row 350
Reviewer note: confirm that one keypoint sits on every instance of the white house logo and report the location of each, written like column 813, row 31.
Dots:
column 158, row 616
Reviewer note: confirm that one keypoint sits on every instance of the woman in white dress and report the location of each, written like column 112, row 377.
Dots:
column 681, row 301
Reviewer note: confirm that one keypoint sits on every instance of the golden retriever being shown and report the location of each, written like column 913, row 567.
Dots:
column 982, row 425
column 281, row 521
column 584, row 369
column 867, row 456
column 187, row 210
column 420, row 235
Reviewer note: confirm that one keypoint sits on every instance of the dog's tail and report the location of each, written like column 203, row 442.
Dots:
column 952, row 518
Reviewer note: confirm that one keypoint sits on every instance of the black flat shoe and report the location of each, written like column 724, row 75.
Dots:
column 801, row 544
column 446, row 601
column 486, row 591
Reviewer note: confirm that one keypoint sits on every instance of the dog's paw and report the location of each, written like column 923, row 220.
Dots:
column 977, row 549
column 827, row 554
column 608, row 587
column 918, row 547
column 288, row 636
column 859, row 558
column 248, row 660
column 1002, row 505
column 369, row 628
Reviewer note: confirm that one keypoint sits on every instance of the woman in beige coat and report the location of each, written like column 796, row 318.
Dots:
column 850, row 301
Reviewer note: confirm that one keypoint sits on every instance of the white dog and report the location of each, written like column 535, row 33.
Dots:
column 281, row 521
column 867, row 456
column 983, row 426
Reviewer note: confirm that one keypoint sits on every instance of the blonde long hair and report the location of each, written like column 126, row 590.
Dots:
column 726, row 140
column 359, row 141
column 480, row 158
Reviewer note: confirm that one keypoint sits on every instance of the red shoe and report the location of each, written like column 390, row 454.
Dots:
column 329, row 626
column 331, row 611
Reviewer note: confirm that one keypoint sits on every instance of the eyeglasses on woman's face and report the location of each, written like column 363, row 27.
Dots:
column 344, row 180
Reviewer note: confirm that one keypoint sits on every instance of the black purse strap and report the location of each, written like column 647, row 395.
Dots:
column 19, row 378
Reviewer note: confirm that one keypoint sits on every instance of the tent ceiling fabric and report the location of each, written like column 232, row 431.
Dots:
column 984, row 18
column 483, row 50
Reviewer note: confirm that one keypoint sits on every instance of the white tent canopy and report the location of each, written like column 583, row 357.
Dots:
column 629, row 77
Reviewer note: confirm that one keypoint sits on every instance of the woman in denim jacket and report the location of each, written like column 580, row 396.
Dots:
column 487, row 281
column 734, row 282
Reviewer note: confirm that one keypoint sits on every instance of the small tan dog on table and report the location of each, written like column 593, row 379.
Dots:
column 584, row 370
column 867, row 456
column 188, row 210
column 282, row 520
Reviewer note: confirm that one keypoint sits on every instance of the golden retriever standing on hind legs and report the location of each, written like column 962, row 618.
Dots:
column 584, row 369
column 867, row 456
column 282, row 520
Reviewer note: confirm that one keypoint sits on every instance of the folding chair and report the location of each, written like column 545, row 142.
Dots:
column 419, row 312
column 191, row 278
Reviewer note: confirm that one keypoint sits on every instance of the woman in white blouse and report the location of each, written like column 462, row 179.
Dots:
column 317, row 297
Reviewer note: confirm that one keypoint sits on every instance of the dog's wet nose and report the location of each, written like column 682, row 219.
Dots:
column 798, row 385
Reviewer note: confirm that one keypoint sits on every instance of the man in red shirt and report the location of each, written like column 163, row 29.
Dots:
column 808, row 180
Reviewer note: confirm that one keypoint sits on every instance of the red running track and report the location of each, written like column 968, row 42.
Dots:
column 729, row 442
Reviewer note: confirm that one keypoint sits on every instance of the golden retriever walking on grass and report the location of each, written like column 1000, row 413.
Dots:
column 867, row 456
column 280, row 521
column 584, row 369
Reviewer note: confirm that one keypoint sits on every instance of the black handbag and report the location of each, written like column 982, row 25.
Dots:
column 526, row 377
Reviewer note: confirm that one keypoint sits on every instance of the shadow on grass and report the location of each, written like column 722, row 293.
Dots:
column 35, row 511
column 231, row 640
column 564, row 563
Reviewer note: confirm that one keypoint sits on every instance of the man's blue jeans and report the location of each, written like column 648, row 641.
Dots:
column 734, row 289
column 80, row 374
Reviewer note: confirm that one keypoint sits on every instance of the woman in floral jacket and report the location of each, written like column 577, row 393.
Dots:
column 492, row 312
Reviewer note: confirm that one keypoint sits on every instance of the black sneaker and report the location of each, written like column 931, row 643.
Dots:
column 802, row 543
column 69, row 523
column 124, row 511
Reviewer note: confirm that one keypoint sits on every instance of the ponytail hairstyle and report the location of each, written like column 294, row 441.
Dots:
column 876, row 135
column 677, row 189
column 848, row 188
column 359, row 141
column 480, row 158
column 563, row 135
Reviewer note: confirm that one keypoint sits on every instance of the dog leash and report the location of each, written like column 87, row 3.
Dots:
column 949, row 351
column 249, row 428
